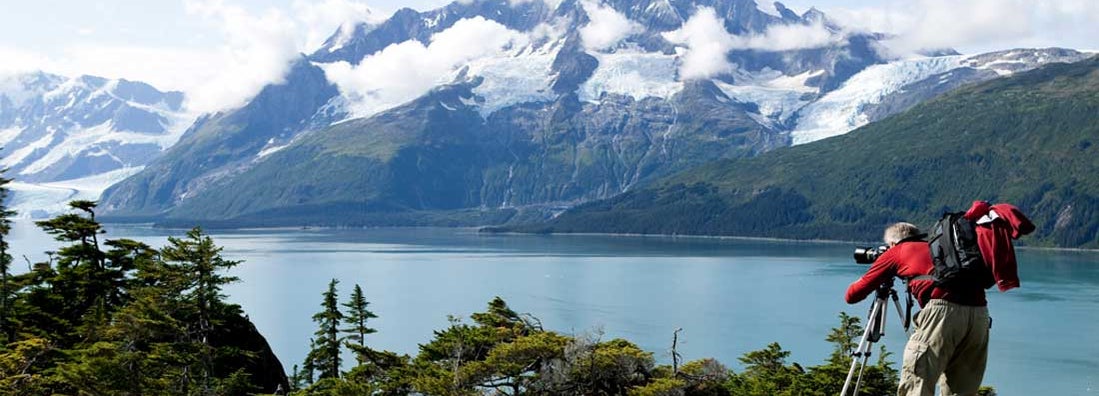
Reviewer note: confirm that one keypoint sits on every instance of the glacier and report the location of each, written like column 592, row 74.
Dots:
column 509, row 80
column 777, row 96
column 840, row 111
column 40, row 200
column 632, row 73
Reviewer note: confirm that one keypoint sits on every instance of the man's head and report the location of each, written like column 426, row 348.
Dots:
column 898, row 232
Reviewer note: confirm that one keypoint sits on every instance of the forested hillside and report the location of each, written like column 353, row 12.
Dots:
column 1028, row 139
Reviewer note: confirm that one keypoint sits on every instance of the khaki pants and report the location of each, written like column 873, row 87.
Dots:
column 949, row 346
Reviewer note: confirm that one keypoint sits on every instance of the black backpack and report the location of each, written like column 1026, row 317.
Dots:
column 956, row 255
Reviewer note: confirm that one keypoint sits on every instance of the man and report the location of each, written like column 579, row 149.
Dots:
column 950, row 342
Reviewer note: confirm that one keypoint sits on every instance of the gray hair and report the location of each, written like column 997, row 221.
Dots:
column 899, row 232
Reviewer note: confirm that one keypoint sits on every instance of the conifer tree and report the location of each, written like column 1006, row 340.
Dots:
column 6, row 330
column 308, row 368
column 84, row 288
column 325, row 353
column 357, row 316
column 195, row 262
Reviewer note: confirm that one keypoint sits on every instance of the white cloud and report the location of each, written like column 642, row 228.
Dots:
column 978, row 25
column 707, row 44
column 257, row 51
column 252, row 48
column 16, row 60
column 177, row 69
column 606, row 26
column 790, row 37
column 319, row 18
column 404, row 71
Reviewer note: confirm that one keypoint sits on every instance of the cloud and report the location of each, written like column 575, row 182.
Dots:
column 319, row 18
column 440, row 3
column 606, row 26
column 257, row 51
column 251, row 48
column 16, row 60
column 176, row 69
column 173, row 69
column 978, row 25
column 404, row 71
column 790, row 37
column 706, row 43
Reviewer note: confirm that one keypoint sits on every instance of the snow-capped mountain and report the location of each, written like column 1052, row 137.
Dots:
column 884, row 90
column 491, row 105
column 66, row 138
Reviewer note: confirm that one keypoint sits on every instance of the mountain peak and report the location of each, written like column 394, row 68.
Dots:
column 60, row 128
column 787, row 14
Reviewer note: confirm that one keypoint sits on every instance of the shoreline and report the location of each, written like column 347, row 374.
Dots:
column 478, row 230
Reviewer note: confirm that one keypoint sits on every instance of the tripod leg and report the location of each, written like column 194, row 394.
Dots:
column 863, row 350
column 858, row 382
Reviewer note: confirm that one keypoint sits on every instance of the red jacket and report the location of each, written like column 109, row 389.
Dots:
column 909, row 259
column 994, row 239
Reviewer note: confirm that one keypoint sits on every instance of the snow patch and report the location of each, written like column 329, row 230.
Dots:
column 20, row 154
column 840, row 111
column 9, row 134
column 78, row 140
column 270, row 149
column 17, row 88
column 636, row 74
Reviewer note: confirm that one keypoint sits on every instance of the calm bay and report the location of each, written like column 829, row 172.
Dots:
column 730, row 296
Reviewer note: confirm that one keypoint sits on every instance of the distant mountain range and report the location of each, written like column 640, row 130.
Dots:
column 1029, row 139
column 71, row 137
column 540, row 123
column 481, row 112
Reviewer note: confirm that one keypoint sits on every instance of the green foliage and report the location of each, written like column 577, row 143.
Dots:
column 325, row 352
column 660, row 387
column 6, row 328
column 129, row 320
column 21, row 367
column 357, row 316
column 767, row 372
column 503, row 352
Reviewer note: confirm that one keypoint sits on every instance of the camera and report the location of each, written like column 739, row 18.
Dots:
column 867, row 255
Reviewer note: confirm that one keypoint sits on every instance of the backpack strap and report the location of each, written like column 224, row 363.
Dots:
column 922, row 277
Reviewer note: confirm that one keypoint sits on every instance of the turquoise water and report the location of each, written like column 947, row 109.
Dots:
column 729, row 296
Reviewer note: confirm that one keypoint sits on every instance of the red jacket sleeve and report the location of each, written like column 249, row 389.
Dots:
column 881, row 271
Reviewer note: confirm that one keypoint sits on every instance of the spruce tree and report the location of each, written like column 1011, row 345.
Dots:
column 196, row 263
column 7, row 332
column 357, row 316
column 325, row 354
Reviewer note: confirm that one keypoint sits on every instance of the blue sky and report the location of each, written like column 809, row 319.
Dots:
column 225, row 49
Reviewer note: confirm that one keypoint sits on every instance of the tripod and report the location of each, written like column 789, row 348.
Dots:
column 875, row 329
